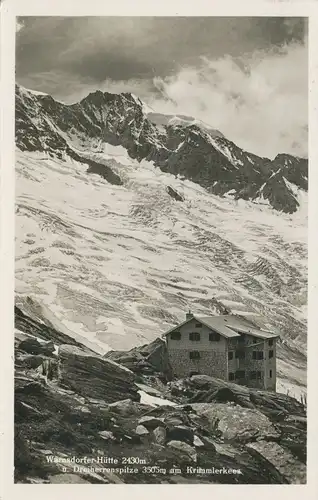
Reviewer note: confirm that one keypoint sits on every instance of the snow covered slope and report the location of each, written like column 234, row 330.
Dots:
column 108, row 255
column 181, row 120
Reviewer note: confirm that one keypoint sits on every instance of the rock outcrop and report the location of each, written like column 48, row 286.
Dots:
column 148, row 359
column 93, row 375
column 33, row 346
column 174, row 194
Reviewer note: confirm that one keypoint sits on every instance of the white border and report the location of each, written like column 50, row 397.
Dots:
column 11, row 8
column 229, row 8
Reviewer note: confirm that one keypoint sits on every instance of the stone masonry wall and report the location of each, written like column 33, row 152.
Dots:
column 210, row 363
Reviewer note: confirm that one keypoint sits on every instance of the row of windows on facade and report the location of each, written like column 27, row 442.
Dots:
column 213, row 337
column 257, row 355
column 255, row 375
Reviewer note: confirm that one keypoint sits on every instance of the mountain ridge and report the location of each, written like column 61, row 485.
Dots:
column 209, row 159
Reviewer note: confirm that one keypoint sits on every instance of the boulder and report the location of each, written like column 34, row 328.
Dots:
column 237, row 423
column 151, row 422
column 149, row 359
column 181, row 433
column 273, row 403
column 226, row 450
column 33, row 346
column 224, row 395
column 174, row 417
column 197, row 441
column 160, row 435
column 205, row 382
column 141, row 430
column 125, row 407
column 174, row 194
column 173, row 420
column 292, row 469
column 107, row 435
column 82, row 410
column 29, row 388
column 94, row 376
column 207, row 389
column 29, row 362
column 183, row 449
column 296, row 419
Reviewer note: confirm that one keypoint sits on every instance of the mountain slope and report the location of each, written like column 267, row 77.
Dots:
column 120, row 228
column 179, row 146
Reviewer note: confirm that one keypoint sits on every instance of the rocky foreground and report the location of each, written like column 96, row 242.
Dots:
column 83, row 418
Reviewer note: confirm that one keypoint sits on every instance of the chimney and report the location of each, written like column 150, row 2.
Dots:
column 189, row 315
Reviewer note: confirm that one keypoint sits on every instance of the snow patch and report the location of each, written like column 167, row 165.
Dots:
column 147, row 399
column 118, row 153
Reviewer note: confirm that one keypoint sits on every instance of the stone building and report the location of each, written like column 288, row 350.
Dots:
column 229, row 347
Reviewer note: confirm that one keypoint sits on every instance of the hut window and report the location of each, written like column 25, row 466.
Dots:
column 214, row 337
column 194, row 355
column 258, row 355
column 195, row 336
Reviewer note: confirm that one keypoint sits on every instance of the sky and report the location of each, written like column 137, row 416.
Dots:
column 246, row 77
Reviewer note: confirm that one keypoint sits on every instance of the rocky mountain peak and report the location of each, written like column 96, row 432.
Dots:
column 177, row 145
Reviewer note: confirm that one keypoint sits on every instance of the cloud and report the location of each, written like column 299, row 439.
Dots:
column 121, row 48
column 259, row 101
column 244, row 76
